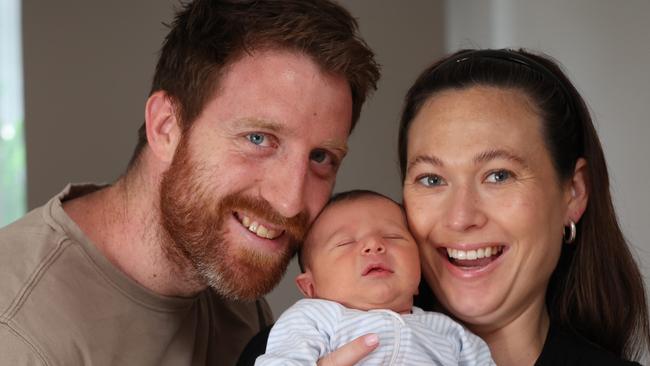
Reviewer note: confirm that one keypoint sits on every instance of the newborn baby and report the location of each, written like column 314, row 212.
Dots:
column 360, row 270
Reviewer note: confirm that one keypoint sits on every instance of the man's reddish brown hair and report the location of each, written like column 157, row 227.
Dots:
column 208, row 35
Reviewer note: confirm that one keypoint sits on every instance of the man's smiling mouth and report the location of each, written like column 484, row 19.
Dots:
column 253, row 225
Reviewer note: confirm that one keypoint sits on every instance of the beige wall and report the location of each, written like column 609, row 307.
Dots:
column 88, row 66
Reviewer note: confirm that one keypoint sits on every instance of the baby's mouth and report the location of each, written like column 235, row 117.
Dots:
column 472, row 258
column 376, row 268
column 258, row 228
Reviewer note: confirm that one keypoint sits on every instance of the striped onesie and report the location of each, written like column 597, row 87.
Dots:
column 313, row 328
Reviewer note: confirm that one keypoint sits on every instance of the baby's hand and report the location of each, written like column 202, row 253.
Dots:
column 352, row 352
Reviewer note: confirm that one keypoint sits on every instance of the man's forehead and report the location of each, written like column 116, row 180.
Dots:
column 274, row 88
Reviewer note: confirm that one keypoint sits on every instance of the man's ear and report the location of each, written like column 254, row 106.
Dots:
column 577, row 192
column 163, row 129
column 305, row 282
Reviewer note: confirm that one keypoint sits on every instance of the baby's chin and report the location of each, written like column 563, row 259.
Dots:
column 400, row 306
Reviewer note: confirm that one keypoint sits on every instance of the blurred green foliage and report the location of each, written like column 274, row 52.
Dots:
column 12, row 177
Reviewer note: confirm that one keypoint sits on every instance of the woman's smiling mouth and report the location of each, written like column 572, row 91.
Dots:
column 473, row 258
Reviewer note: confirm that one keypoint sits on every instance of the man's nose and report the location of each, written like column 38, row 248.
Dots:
column 285, row 186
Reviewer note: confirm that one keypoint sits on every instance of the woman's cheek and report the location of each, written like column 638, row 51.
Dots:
column 419, row 218
column 420, row 204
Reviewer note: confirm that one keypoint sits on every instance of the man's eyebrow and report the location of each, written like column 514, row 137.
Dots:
column 499, row 154
column 337, row 145
column 262, row 124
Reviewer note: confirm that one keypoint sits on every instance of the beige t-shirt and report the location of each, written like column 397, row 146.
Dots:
column 63, row 303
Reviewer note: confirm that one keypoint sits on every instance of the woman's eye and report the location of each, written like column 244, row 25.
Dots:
column 256, row 138
column 431, row 180
column 498, row 176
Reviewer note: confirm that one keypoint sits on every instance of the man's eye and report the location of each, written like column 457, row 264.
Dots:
column 498, row 176
column 431, row 180
column 256, row 138
column 319, row 156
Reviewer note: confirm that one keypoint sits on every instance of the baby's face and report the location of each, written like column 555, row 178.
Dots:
column 362, row 255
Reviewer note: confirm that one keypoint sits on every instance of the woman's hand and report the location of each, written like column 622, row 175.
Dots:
column 352, row 352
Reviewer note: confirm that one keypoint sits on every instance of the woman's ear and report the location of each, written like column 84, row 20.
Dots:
column 305, row 282
column 163, row 129
column 578, row 192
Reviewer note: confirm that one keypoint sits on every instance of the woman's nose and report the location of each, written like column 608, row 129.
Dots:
column 464, row 210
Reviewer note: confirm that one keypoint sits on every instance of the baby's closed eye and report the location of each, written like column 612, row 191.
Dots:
column 345, row 242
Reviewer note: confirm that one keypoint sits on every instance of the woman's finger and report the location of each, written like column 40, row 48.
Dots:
column 352, row 352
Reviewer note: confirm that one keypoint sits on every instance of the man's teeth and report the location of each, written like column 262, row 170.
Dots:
column 473, row 254
column 259, row 230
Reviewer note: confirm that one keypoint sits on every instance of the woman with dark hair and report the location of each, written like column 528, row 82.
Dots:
column 507, row 193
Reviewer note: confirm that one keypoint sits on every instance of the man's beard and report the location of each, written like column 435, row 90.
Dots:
column 197, row 243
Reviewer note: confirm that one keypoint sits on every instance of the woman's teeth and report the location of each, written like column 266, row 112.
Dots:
column 258, row 229
column 474, row 254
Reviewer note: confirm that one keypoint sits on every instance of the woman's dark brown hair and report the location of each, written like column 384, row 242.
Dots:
column 596, row 289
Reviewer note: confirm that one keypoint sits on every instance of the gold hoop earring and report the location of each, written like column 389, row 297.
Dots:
column 571, row 237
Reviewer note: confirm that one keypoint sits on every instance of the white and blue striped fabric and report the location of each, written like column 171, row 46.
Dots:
column 313, row 328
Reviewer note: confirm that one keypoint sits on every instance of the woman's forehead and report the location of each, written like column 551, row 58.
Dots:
column 471, row 115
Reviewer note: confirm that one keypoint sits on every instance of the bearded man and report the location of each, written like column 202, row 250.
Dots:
column 246, row 124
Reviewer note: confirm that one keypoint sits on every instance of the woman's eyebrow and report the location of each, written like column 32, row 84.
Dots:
column 499, row 154
column 478, row 159
column 424, row 159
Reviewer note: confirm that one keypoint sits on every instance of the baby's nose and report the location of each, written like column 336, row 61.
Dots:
column 374, row 246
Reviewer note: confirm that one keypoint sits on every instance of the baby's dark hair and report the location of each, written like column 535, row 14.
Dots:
column 344, row 196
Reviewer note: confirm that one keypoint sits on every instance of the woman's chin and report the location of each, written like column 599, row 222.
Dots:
column 472, row 304
column 471, row 310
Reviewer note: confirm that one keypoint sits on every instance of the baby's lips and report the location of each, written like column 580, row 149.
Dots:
column 376, row 266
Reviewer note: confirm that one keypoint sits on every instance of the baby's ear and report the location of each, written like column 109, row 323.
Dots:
column 305, row 282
